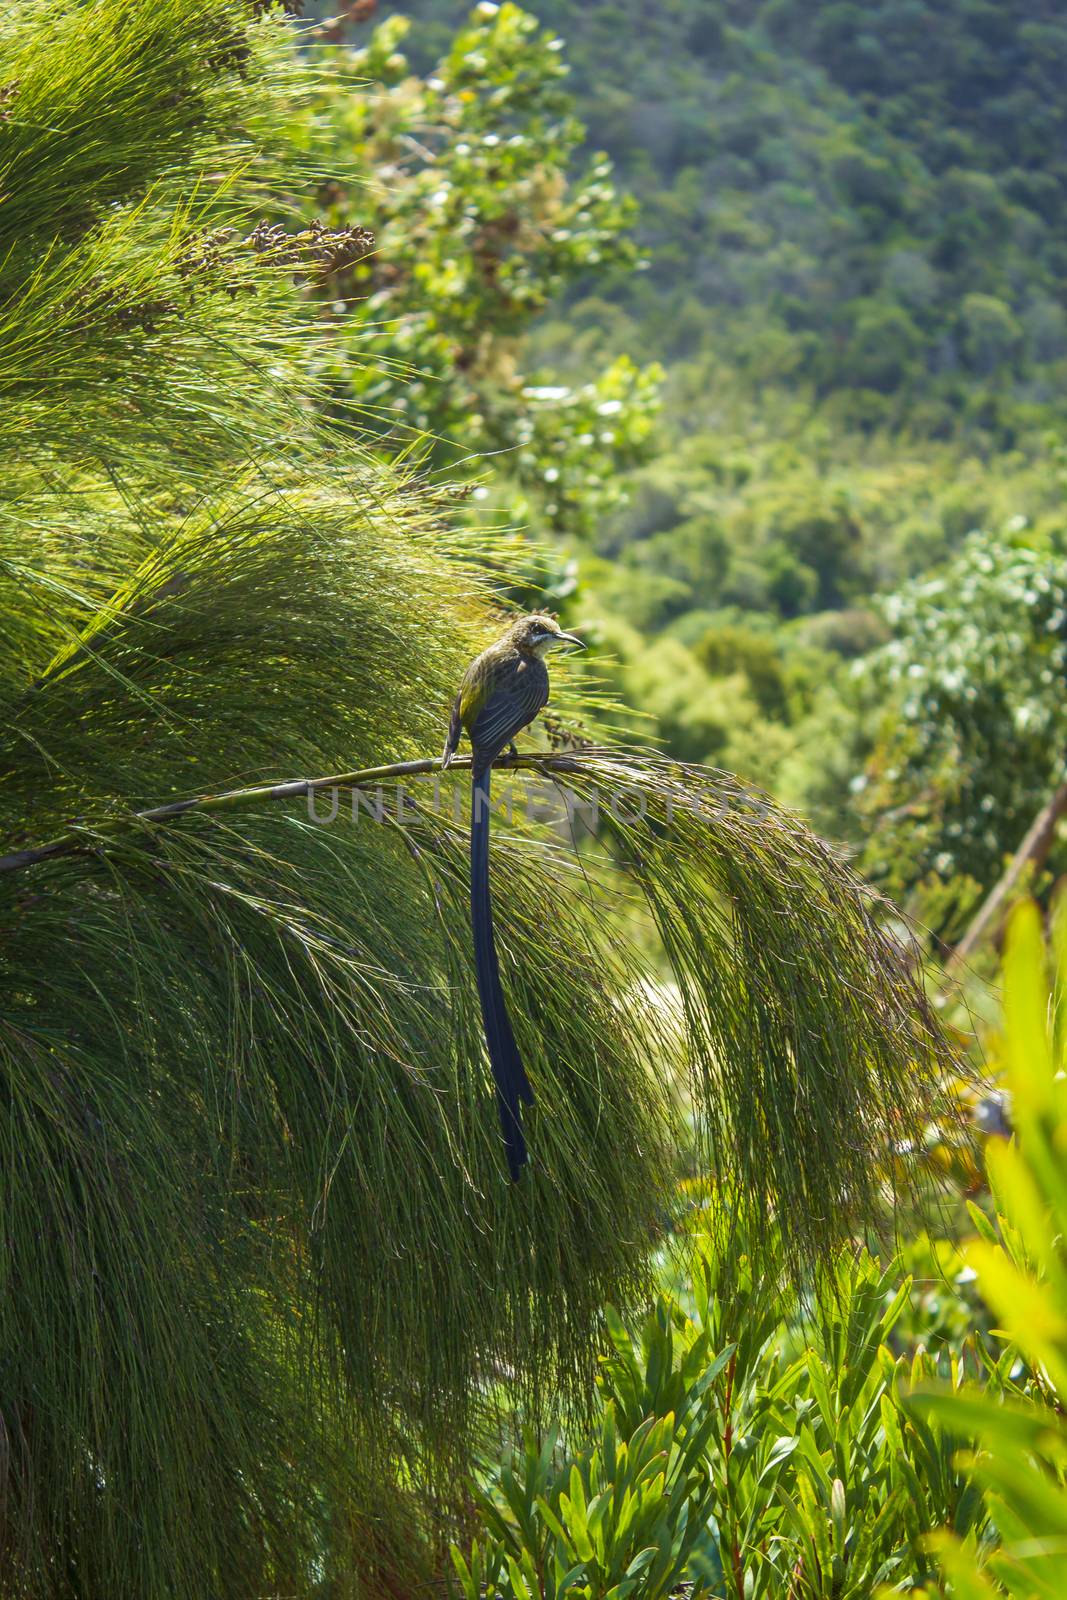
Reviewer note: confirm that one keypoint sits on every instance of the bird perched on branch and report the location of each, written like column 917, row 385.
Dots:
column 502, row 691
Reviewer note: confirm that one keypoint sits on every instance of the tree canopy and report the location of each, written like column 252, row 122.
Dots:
column 851, row 234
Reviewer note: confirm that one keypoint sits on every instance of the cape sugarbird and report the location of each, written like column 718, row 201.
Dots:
column 502, row 691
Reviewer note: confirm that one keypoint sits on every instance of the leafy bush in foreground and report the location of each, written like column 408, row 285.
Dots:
column 1019, row 1460
column 757, row 1445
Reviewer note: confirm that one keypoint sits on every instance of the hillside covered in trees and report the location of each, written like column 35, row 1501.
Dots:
column 851, row 243
column 860, row 198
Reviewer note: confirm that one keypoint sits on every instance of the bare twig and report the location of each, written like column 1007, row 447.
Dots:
column 1031, row 853
column 89, row 836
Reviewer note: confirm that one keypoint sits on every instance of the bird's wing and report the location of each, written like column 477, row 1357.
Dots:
column 513, row 700
column 455, row 728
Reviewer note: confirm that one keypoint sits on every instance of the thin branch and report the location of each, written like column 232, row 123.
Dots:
column 89, row 838
column 1031, row 853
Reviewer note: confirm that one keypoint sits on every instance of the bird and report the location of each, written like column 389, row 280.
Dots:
column 502, row 692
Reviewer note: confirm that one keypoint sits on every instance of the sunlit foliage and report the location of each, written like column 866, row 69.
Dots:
column 484, row 209
column 263, row 1274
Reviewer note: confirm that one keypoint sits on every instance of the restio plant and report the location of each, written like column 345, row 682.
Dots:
column 778, row 1443
column 264, row 1283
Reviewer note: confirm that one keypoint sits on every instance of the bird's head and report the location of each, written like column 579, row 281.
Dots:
column 536, row 635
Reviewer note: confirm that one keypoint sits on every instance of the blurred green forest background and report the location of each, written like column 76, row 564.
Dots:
column 760, row 309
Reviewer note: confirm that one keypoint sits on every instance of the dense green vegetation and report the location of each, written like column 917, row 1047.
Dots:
column 869, row 199
column 765, row 1445
column 265, row 1287
column 839, row 568
column 854, row 230
column 300, row 348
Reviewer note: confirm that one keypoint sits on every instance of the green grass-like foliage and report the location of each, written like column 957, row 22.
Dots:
column 751, row 1442
column 1018, row 1439
column 260, row 1262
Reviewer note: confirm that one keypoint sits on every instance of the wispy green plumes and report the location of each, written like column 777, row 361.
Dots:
column 129, row 135
column 261, row 1265
column 259, row 1252
column 808, row 1035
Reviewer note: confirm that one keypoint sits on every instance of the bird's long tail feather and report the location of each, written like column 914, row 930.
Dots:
column 509, row 1074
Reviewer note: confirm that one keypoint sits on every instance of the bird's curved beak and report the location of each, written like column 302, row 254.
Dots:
column 571, row 639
